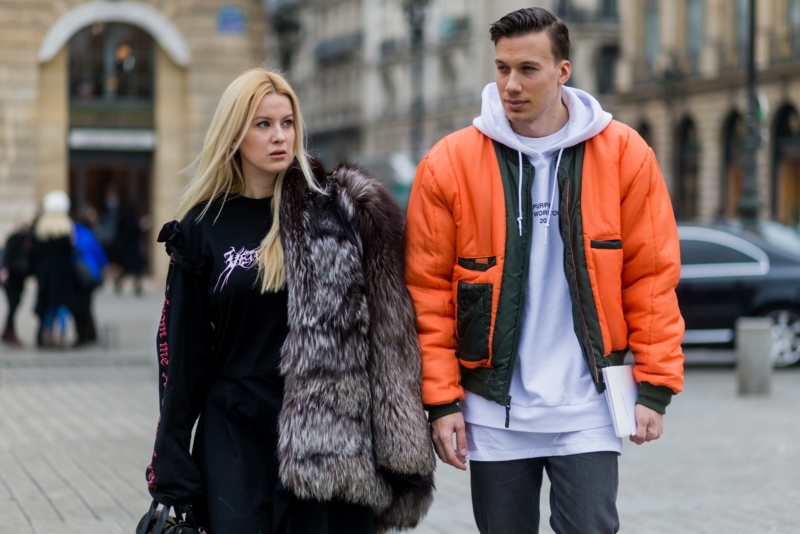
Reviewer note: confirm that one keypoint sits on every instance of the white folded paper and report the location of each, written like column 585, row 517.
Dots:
column 621, row 394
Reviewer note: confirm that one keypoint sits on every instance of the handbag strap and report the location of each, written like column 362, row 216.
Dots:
column 145, row 522
column 162, row 520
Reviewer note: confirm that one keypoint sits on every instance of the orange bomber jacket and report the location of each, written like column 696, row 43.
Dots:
column 467, row 264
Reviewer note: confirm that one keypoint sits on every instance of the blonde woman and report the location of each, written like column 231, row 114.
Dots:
column 287, row 329
column 52, row 258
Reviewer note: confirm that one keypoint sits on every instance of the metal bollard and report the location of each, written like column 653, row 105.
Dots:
column 754, row 355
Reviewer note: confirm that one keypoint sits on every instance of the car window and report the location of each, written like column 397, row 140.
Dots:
column 779, row 236
column 699, row 252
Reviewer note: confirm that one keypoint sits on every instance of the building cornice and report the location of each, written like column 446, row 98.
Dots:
column 698, row 86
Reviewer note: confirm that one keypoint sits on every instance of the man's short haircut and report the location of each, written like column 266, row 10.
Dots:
column 534, row 20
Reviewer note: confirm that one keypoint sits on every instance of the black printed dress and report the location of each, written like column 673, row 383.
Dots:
column 219, row 345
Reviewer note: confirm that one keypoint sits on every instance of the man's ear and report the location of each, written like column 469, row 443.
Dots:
column 565, row 72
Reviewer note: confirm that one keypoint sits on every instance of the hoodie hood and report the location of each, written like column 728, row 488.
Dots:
column 586, row 119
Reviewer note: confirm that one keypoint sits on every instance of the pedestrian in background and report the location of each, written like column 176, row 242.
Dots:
column 15, row 268
column 90, row 260
column 287, row 328
column 129, row 249
column 541, row 248
column 52, row 260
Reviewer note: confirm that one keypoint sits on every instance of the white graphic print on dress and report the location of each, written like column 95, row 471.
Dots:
column 242, row 258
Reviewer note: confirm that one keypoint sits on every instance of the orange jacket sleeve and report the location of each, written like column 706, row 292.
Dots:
column 430, row 257
column 650, row 273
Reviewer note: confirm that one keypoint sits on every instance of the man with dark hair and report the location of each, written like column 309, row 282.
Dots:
column 541, row 248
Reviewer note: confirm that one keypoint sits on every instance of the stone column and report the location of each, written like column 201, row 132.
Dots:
column 171, row 154
column 52, row 120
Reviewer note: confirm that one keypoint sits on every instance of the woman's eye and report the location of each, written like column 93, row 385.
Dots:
column 288, row 122
column 262, row 124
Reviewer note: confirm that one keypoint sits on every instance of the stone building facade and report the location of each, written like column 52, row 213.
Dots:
column 681, row 83
column 351, row 62
column 109, row 99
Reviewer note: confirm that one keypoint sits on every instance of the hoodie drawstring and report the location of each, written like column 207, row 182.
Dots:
column 552, row 196
column 519, row 194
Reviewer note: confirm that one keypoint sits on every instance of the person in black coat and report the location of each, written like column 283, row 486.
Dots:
column 52, row 261
column 15, row 268
column 288, row 335
column 129, row 248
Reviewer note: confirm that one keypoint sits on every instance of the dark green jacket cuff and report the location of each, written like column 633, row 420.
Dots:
column 440, row 410
column 655, row 397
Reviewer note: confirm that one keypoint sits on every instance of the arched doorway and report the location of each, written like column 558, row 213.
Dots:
column 645, row 132
column 733, row 137
column 686, row 201
column 84, row 150
column 111, row 128
column 786, row 167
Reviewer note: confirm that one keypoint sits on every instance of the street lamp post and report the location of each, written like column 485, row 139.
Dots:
column 749, row 203
column 672, row 84
column 285, row 22
column 415, row 16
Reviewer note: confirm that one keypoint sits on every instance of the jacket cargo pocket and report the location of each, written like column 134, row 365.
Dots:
column 478, row 264
column 610, row 243
column 473, row 321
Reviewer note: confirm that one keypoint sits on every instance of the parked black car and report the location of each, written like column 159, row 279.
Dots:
column 727, row 273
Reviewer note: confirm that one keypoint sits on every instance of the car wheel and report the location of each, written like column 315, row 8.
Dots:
column 785, row 336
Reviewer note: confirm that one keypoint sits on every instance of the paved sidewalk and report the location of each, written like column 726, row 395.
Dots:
column 76, row 432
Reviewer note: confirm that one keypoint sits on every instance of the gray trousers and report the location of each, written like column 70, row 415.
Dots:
column 583, row 494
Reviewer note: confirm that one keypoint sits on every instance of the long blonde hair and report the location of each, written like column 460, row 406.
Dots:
column 219, row 167
column 54, row 221
column 52, row 226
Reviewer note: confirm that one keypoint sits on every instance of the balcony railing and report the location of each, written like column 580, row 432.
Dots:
column 644, row 72
column 339, row 48
column 785, row 49
column 454, row 28
column 732, row 57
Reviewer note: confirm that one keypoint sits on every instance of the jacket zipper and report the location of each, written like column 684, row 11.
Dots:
column 581, row 339
column 524, row 293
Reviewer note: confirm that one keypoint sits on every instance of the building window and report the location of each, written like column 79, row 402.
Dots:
column 608, row 10
column 733, row 166
column 786, row 167
column 652, row 38
column 695, row 19
column 793, row 14
column 564, row 9
column 606, row 68
column 111, row 62
column 645, row 132
column 688, row 172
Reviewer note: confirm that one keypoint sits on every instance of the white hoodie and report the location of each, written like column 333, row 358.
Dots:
column 551, row 388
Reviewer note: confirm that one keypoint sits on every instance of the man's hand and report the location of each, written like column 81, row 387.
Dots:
column 442, row 431
column 649, row 425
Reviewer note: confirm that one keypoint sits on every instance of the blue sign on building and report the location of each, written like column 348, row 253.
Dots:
column 231, row 20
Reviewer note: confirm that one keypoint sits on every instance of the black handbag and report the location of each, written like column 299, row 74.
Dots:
column 160, row 522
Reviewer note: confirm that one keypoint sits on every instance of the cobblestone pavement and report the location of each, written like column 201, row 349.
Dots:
column 76, row 431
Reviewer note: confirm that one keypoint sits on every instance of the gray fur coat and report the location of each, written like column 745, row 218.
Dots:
column 352, row 425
